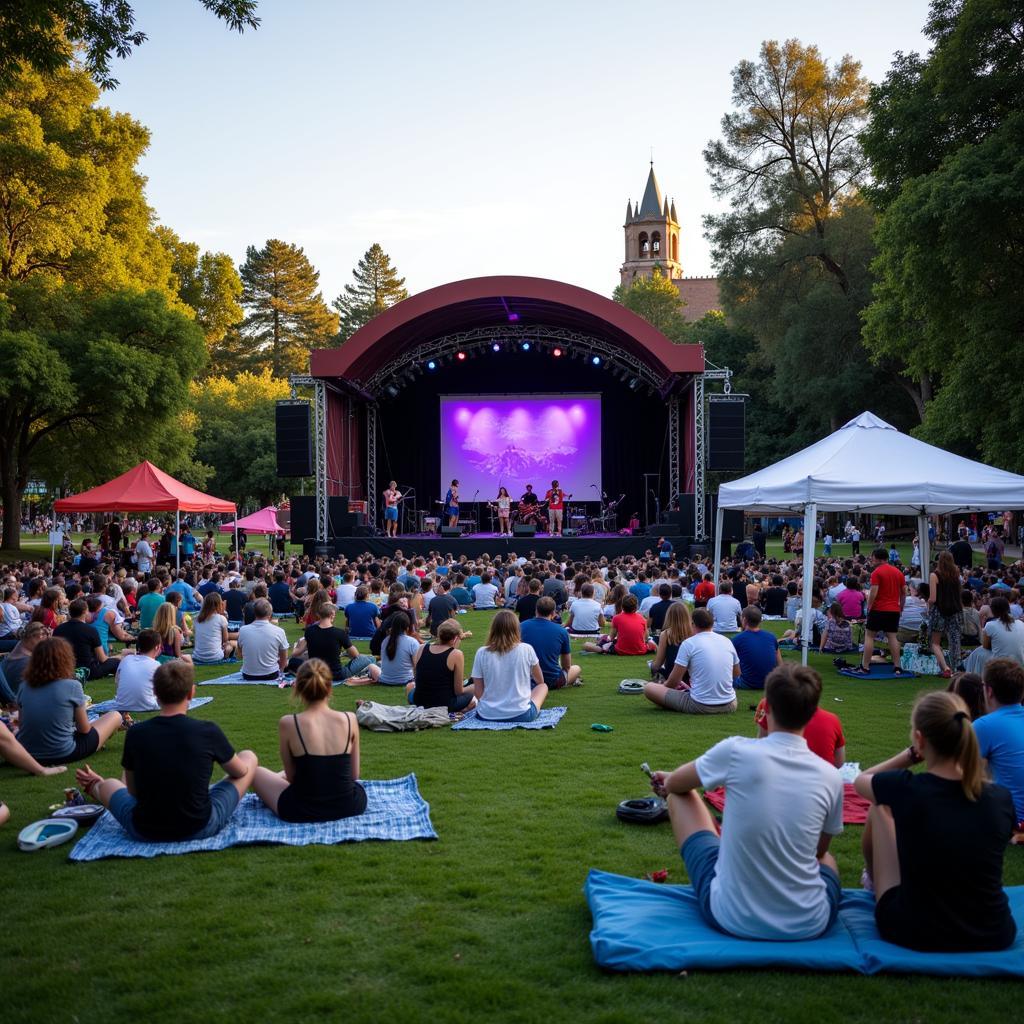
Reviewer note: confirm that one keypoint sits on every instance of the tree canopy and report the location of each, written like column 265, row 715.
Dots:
column 46, row 34
column 658, row 301
column 377, row 286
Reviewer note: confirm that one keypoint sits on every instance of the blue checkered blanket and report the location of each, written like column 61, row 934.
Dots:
column 394, row 810
column 548, row 719
column 235, row 679
column 95, row 710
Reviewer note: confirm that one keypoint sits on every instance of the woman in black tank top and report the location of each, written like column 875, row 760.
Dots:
column 440, row 669
column 317, row 785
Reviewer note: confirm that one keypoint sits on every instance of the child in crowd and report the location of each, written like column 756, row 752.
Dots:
column 837, row 637
column 628, row 633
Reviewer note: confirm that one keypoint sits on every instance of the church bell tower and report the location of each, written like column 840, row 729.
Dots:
column 652, row 236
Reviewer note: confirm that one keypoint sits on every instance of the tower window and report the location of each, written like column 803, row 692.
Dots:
column 644, row 245
column 656, row 243
column 675, row 247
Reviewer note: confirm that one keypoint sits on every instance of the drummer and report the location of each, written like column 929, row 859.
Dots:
column 528, row 505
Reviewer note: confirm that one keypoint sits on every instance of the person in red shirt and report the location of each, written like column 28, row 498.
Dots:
column 823, row 733
column 556, row 499
column 705, row 591
column 628, row 633
column 884, row 605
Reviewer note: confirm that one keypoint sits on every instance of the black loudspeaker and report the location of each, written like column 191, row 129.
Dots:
column 524, row 530
column 451, row 531
column 294, row 439
column 678, row 522
column 727, row 422
column 323, row 550
column 339, row 521
column 303, row 523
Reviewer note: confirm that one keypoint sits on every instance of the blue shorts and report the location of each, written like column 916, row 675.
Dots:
column 223, row 801
column 700, row 855
column 529, row 715
column 391, row 512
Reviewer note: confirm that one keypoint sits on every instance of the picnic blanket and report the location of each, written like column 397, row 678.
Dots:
column 643, row 926
column 220, row 661
column 95, row 710
column 855, row 807
column 792, row 645
column 235, row 679
column 877, row 672
column 394, row 811
column 547, row 719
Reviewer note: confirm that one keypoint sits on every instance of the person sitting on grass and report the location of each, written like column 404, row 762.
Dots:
column 486, row 595
column 1000, row 731
column 725, row 609
column 442, row 606
column 398, row 651
column 712, row 663
column 85, row 641
column 677, row 628
column 770, row 875
column 970, row 688
column 440, row 672
column 165, row 624
column 213, row 644
column 53, row 725
column 13, row 753
column 659, row 608
column 320, row 753
column 327, row 642
column 149, row 602
column 262, row 646
column 837, row 636
column 928, row 828
column 628, row 633
column 165, row 794
column 884, row 604
column 585, row 614
column 507, row 679
column 362, row 615
column 550, row 642
column 823, row 733
column 135, row 675
column 757, row 648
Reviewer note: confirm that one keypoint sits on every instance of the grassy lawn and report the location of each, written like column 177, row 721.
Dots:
column 488, row 923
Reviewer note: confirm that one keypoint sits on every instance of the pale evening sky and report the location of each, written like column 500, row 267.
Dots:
column 467, row 138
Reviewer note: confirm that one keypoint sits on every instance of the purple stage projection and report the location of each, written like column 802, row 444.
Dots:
column 514, row 440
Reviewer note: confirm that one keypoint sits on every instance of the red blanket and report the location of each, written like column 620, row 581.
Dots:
column 855, row 807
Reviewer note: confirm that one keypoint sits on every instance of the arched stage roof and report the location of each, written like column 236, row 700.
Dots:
column 483, row 302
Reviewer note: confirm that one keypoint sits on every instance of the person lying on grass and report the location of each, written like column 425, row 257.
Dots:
column 165, row 794
column 320, row 753
column 628, row 634
column 769, row 875
column 507, row 678
column 440, row 671
column 934, row 841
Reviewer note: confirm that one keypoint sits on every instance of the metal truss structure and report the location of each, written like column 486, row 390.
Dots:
column 711, row 372
column 675, row 461
column 297, row 380
column 371, row 463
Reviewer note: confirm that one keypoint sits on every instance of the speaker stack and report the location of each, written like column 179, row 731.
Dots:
column 524, row 530
column 293, row 439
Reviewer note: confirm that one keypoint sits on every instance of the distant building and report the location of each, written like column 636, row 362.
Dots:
column 652, row 240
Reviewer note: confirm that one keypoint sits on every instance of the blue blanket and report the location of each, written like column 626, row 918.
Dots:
column 95, row 710
column 877, row 672
column 548, row 719
column 235, row 679
column 394, row 810
column 642, row 926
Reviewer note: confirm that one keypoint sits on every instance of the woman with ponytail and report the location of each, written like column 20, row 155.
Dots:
column 934, row 842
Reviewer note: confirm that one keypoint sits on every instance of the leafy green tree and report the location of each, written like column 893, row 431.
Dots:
column 44, row 34
column 208, row 283
column 947, row 144
column 88, row 386
column 377, row 286
column 657, row 300
column 235, row 415
column 286, row 315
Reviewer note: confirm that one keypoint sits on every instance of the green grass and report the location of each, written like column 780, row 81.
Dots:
column 487, row 923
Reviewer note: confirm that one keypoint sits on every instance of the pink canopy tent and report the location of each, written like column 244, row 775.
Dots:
column 264, row 521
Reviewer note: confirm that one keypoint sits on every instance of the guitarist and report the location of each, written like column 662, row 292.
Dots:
column 555, row 499
column 392, row 496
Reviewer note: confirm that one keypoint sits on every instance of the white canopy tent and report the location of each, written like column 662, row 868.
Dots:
column 867, row 466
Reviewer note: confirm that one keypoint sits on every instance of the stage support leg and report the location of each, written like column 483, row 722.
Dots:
column 371, row 466
column 674, row 451
column 177, row 539
column 925, row 546
column 700, row 527
column 719, row 526
column 810, row 529
column 320, row 447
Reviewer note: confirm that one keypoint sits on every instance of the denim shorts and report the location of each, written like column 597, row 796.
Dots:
column 529, row 715
column 700, row 855
column 223, row 801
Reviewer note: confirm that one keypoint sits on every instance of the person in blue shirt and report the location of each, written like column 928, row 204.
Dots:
column 451, row 504
column 550, row 642
column 1001, row 732
column 362, row 615
column 641, row 589
column 191, row 599
column 461, row 592
column 664, row 551
column 188, row 543
column 758, row 651
column 472, row 580
column 280, row 595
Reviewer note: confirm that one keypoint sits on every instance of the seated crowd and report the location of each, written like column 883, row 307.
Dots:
column 768, row 874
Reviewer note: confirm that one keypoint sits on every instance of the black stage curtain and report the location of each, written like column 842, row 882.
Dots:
column 634, row 425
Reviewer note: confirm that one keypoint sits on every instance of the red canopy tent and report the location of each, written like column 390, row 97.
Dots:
column 146, row 488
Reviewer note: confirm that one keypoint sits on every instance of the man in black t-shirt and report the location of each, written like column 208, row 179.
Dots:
column 657, row 612
column 773, row 600
column 442, row 606
column 166, row 795
column 962, row 552
column 85, row 641
column 234, row 601
column 526, row 606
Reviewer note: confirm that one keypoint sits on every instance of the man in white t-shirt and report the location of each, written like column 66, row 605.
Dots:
column 346, row 590
column 726, row 609
column 143, row 553
column 263, row 646
column 712, row 663
column 485, row 594
column 135, row 675
column 770, row 875
column 585, row 614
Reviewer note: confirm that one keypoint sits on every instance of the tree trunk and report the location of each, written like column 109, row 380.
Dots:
column 12, row 508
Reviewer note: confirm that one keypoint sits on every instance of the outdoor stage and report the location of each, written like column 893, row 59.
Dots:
column 592, row 546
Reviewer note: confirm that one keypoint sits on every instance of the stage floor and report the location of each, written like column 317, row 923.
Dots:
column 473, row 545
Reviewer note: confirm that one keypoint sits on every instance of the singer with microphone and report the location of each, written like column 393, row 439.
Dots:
column 555, row 499
column 451, row 504
column 392, row 496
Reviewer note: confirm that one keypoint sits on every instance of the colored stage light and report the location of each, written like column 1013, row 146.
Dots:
column 513, row 317
column 431, row 365
column 496, row 347
column 460, row 355
column 596, row 360
column 526, row 346
column 556, row 352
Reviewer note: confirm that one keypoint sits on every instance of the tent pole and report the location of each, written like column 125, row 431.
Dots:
column 810, row 528
column 924, row 545
column 177, row 539
column 237, row 559
column 719, row 523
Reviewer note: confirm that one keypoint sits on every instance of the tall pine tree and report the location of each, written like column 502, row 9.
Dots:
column 377, row 286
column 286, row 315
